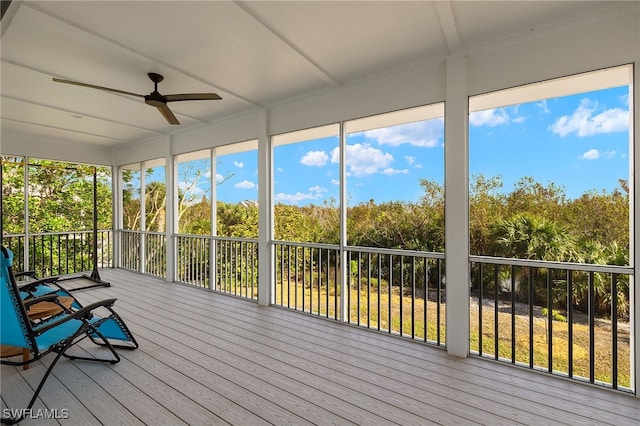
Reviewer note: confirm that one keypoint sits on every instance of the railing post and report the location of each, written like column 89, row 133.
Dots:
column 456, row 207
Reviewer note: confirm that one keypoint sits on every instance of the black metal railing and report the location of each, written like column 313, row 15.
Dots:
column 193, row 257
column 393, row 291
column 307, row 278
column 235, row 260
column 563, row 318
column 399, row 292
column 60, row 253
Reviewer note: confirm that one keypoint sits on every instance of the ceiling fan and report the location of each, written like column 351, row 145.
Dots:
column 154, row 98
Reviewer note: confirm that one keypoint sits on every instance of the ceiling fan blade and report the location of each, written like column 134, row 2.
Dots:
column 166, row 113
column 192, row 97
column 92, row 86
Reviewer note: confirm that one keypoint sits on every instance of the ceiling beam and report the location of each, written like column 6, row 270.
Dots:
column 9, row 9
column 449, row 28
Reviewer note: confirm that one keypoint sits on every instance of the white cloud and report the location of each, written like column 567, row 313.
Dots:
column 609, row 154
column 245, row 184
column 592, row 154
column 238, row 164
column 363, row 160
column 335, row 181
column 219, row 177
column 280, row 169
column 410, row 159
column 315, row 193
column 489, row 117
column 189, row 187
column 586, row 122
column 427, row 134
column 391, row 171
column 193, row 194
column 542, row 105
column 315, row 158
column 317, row 189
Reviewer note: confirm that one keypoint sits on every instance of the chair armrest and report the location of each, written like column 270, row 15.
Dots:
column 31, row 274
column 80, row 314
column 31, row 285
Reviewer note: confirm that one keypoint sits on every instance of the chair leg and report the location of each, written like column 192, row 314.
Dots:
column 91, row 329
column 26, row 354
column 59, row 353
column 14, row 420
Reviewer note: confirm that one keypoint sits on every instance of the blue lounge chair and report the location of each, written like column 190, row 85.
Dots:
column 56, row 334
column 113, row 328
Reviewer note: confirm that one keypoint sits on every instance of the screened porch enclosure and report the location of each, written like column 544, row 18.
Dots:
column 447, row 195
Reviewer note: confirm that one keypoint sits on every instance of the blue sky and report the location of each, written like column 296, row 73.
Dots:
column 579, row 142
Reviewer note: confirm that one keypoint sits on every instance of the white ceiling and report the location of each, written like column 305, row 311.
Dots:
column 255, row 54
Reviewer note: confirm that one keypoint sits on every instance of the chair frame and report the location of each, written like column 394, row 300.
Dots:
column 85, row 328
column 50, row 282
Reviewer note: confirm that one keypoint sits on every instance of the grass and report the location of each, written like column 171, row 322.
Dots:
column 364, row 311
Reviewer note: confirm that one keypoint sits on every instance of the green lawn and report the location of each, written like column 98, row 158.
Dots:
column 324, row 304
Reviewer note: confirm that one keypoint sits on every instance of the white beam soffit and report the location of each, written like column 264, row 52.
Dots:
column 574, row 84
column 404, row 116
column 232, row 148
column 304, row 135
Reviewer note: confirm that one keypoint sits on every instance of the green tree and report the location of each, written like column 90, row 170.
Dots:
column 527, row 236
column 237, row 220
column 486, row 208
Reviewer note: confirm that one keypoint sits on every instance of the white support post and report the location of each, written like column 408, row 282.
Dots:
column 213, row 256
column 26, row 247
column 116, row 216
column 344, row 270
column 457, row 207
column 143, row 220
column 170, row 213
column 266, row 282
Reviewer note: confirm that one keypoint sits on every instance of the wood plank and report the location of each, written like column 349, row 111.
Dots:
column 16, row 393
column 534, row 409
column 408, row 398
column 55, row 394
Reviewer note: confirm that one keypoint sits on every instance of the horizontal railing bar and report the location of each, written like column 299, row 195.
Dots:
column 217, row 237
column 397, row 252
column 307, row 245
column 138, row 232
column 235, row 239
column 585, row 267
column 43, row 234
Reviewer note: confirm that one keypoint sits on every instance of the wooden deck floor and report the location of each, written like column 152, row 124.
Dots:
column 208, row 359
